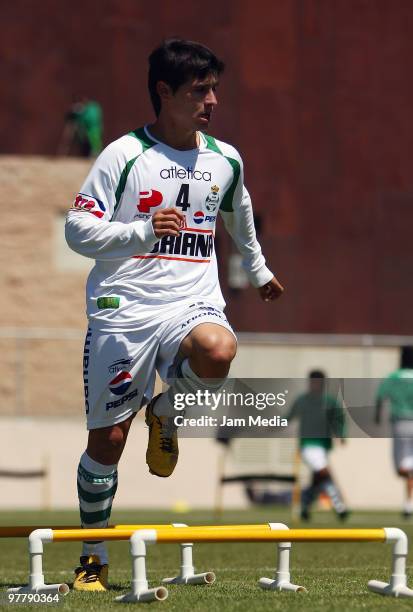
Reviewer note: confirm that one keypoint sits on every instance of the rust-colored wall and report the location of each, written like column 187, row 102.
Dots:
column 317, row 96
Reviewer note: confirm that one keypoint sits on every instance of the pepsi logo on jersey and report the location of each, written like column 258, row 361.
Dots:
column 199, row 217
column 89, row 204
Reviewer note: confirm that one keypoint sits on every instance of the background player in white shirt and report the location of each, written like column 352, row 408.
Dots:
column 146, row 213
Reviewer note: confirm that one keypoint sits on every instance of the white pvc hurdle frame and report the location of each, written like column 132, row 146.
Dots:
column 396, row 587
column 139, row 584
column 39, row 537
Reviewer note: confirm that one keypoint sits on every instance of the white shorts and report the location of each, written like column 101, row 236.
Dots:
column 119, row 368
column 315, row 457
column 403, row 445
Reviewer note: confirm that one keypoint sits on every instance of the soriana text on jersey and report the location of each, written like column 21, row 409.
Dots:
column 191, row 245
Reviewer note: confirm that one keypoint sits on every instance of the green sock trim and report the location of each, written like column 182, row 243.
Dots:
column 89, row 518
column 95, row 478
column 91, row 498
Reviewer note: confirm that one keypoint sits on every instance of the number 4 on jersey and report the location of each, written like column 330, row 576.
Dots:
column 182, row 201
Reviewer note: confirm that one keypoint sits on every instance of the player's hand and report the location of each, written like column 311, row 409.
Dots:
column 271, row 290
column 166, row 222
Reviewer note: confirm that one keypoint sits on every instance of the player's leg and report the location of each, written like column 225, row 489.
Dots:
column 403, row 458
column 97, row 482
column 191, row 352
column 316, row 459
column 113, row 394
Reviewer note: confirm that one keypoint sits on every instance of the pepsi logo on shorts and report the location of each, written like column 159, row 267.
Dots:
column 121, row 383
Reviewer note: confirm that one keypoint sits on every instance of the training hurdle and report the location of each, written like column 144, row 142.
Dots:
column 40, row 536
column 277, row 533
column 397, row 586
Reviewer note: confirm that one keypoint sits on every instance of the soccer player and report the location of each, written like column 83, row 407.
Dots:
column 146, row 213
column 83, row 127
column 320, row 417
column 397, row 389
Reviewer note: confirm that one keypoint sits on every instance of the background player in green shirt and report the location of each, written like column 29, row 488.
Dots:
column 397, row 389
column 83, row 130
column 320, row 417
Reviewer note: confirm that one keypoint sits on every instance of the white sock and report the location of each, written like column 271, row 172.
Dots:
column 97, row 485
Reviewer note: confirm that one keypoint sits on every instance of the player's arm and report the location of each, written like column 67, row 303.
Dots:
column 90, row 229
column 294, row 410
column 239, row 222
column 337, row 419
column 380, row 401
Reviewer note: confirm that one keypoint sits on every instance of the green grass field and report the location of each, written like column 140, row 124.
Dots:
column 335, row 575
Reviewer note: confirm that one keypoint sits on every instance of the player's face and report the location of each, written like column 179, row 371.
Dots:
column 316, row 385
column 193, row 103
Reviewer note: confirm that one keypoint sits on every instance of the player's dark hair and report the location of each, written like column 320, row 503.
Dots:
column 316, row 374
column 406, row 357
column 176, row 61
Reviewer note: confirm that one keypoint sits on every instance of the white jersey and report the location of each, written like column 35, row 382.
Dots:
column 110, row 221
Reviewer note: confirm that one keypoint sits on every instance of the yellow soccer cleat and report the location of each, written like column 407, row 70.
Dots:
column 162, row 452
column 91, row 575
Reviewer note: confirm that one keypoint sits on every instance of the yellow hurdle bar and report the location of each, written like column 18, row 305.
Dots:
column 124, row 532
column 234, row 533
column 22, row 531
column 212, row 534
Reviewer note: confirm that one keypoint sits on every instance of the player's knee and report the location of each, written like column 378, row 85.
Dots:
column 117, row 438
column 219, row 349
column 320, row 476
column 106, row 445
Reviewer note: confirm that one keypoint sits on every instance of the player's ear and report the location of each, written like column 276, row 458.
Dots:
column 163, row 90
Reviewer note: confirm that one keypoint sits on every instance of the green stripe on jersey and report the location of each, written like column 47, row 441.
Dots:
column 228, row 198
column 143, row 138
column 146, row 144
column 227, row 201
column 122, row 181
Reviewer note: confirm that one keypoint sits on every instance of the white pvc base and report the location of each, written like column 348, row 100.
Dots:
column 135, row 596
column 397, row 587
column 187, row 573
column 280, row 585
column 139, row 586
column 36, row 578
column 55, row 589
column 386, row 588
column 281, row 582
column 205, row 578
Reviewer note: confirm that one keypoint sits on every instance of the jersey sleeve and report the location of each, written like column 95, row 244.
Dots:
column 239, row 223
column 89, row 229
